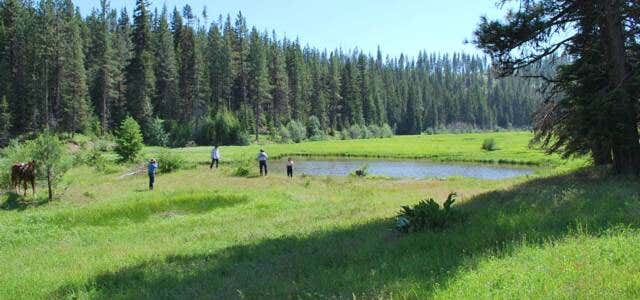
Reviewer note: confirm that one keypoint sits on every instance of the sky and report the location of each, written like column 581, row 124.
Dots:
column 397, row 26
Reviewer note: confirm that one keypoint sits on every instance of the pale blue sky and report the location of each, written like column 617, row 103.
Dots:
column 398, row 26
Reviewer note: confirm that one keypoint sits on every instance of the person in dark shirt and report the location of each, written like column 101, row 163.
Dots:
column 152, row 168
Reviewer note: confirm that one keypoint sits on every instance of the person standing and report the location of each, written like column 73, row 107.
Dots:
column 152, row 168
column 215, row 157
column 262, row 161
column 290, row 167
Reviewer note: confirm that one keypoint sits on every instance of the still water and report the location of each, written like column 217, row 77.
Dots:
column 398, row 168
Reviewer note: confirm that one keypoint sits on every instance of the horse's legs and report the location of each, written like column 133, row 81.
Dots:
column 33, row 186
column 24, row 185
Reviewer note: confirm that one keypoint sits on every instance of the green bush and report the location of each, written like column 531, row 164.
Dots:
column 355, row 132
column 283, row 135
column 362, row 171
column 297, row 131
column 489, row 145
column 169, row 161
column 129, row 140
column 314, row 129
column 156, row 134
column 243, row 168
column 386, row 131
column 228, row 130
column 180, row 133
column 51, row 159
column 427, row 215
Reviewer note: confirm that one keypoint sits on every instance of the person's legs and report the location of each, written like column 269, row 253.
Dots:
column 265, row 168
column 217, row 162
column 212, row 161
column 152, row 178
column 261, row 163
column 290, row 171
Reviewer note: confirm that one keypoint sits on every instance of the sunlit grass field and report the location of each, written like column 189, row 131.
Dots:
column 565, row 232
column 513, row 148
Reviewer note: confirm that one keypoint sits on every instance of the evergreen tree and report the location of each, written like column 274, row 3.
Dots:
column 258, row 82
column 122, row 53
column 75, row 109
column 5, row 122
column 140, row 69
column 166, row 95
column 280, row 110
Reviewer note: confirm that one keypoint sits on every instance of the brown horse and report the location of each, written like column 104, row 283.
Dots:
column 25, row 173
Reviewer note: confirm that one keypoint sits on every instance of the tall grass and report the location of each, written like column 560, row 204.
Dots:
column 205, row 234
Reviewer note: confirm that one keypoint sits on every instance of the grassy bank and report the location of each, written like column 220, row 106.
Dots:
column 206, row 234
column 513, row 147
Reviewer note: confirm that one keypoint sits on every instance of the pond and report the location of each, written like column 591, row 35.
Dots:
column 399, row 168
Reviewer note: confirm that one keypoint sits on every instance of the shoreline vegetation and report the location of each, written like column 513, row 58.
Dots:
column 208, row 234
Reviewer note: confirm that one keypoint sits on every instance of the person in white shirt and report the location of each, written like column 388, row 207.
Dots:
column 290, row 167
column 215, row 157
column 262, row 160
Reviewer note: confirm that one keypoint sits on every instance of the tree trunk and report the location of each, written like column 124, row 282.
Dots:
column 49, row 184
column 626, row 147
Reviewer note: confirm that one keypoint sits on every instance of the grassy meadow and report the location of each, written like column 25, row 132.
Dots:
column 566, row 232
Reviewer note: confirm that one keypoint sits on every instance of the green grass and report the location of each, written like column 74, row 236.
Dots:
column 564, row 233
column 513, row 147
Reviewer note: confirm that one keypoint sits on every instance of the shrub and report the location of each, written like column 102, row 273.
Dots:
column 129, row 140
column 386, row 131
column 362, row 171
column 283, row 135
column 51, row 159
column 243, row 169
column 344, row 134
column 180, row 133
column 355, row 132
column 169, row 161
column 427, row 215
column 206, row 132
column 297, row 131
column 156, row 134
column 228, row 130
column 314, row 129
column 489, row 145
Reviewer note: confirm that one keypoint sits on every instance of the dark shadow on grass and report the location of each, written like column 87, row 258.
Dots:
column 369, row 261
column 17, row 202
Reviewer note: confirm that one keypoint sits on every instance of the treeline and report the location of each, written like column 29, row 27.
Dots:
column 176, row 73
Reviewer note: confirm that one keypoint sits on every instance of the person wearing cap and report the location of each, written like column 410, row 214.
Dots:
column 152, row 168
column 262, row 160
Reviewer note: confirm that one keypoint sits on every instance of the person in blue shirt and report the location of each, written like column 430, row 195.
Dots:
column 152, row 168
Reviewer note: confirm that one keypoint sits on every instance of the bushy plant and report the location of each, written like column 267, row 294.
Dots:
column 489, row 145
column 129, row 141
column 228, row 130
column 386, row 131
column 51, row 159
column 156, row 134
column 362, row 171
column 169, row 161
column 206, row 132
column 344, row 134
column 243, row 168
column 355, row 132
column 297, row 131
column 427, row 215
column 180, row 133
column 314, row 129
column 283, row 135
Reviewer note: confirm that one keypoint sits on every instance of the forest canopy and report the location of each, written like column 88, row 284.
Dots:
column 176, row 70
